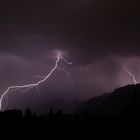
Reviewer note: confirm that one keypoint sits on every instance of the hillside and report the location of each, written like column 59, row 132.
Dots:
column 119, row 101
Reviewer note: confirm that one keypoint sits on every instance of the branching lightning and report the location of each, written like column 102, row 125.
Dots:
column 35, row 85
column 68, row 75
column 131, row 74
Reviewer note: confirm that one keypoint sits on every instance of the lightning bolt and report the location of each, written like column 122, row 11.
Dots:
column 32, row 85
column 131, row 74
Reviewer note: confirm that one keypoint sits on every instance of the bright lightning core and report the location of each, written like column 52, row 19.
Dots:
column 32, row 85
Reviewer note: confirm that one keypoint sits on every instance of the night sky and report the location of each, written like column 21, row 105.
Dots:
column 98, row 36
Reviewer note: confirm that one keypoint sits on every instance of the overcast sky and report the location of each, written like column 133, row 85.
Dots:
column 98, row 36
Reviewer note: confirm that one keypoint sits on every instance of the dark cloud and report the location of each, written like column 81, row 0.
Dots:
column 85, row 28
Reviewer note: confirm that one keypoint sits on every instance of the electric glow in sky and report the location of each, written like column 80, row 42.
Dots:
column 35, row 85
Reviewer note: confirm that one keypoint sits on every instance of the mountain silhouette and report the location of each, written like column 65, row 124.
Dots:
column 121, row 100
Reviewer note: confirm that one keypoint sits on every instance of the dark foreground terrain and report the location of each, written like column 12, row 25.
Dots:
column 115, row 115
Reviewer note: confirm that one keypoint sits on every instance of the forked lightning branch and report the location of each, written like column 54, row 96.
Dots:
column 35, row 85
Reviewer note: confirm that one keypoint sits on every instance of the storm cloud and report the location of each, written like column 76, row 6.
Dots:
column 85, row 28
column 98, row 36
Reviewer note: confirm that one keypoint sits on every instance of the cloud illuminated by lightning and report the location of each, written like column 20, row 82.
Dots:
column 131, row 74
column 32, row 85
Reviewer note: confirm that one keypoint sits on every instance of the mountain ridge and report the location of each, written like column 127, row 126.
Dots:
column 115, row 102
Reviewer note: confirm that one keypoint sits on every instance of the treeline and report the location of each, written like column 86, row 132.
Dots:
column 52, row 123
column 126, row 118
